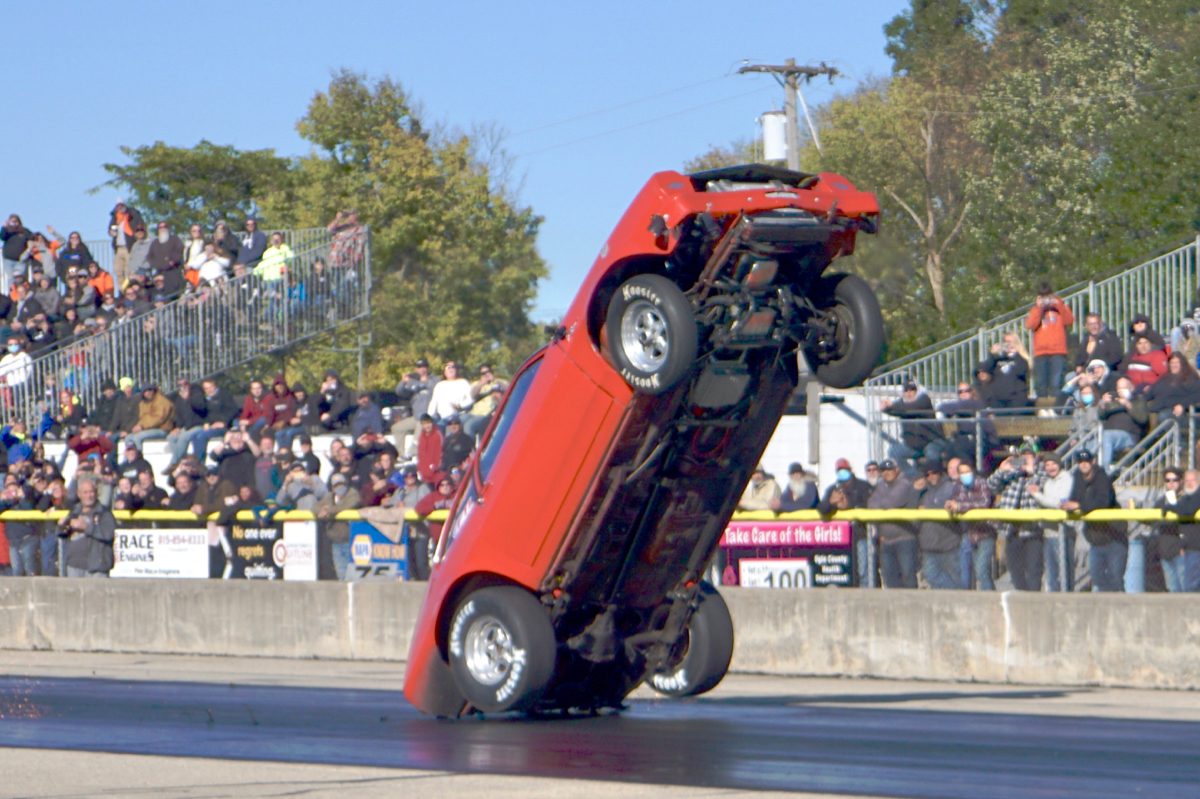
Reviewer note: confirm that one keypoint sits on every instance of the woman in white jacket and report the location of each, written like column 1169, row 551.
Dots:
column 451, row 396
column 1058, row 537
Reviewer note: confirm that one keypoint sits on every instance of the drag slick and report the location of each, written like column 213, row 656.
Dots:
column 570, row 569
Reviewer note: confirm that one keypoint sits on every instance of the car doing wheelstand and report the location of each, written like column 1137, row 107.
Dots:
column 570, row 568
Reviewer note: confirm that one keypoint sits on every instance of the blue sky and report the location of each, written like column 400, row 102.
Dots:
column 92, row 78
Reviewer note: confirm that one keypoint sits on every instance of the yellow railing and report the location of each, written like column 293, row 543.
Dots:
column 857, row 515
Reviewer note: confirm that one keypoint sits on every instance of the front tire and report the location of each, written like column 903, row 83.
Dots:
column 705, row 652
column 652, row 335
column 502, row 649
column 848, row 359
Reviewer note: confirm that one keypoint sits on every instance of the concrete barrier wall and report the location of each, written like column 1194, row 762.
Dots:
column 1044, row 639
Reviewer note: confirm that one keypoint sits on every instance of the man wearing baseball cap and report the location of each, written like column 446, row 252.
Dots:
column 800, row 493
column 761, row 491
column 416, row 389
column 897, row 540
column 845, row 493
column 1093, row 490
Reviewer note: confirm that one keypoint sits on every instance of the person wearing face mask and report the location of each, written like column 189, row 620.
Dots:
column 846, row 493
column 1124, row 417
column 1085, row 417
column 341, row 497
column 979, row 539
column 15, row 368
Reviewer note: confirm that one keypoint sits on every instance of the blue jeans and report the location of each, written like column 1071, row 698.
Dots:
column 1188, row 571
column 24, row 556
column 341, row 559
column 178, row 440
column 1114, row 440
column 1174, row 572
column 475, row 426
column 1048, row 374
column 978, row 562
column 143, row 436
column 50, row 554
column 1024, row 556
column 1053, row 550
column 941, row 570
column 903, row 453
column 1106, row 564
column 1135, row 567
column 285, row 437
column 200, row 441
column 863, row 564
column 898, row 563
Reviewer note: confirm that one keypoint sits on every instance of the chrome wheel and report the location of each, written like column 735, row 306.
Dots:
column 488, row 651
column 644, row 336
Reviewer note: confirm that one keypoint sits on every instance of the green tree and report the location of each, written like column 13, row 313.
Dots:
column 198, row 185
column 905, row 142
column 1051, row 134
column 743, row 151
column 454, row 254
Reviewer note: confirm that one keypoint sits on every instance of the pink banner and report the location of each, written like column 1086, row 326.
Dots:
column 786, row 534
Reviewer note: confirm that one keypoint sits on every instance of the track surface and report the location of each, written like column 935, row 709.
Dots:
column 869, row 738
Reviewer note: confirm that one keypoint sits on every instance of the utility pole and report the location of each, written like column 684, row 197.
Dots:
column 789, row 76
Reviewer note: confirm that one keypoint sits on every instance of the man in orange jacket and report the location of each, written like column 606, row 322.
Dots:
column 1049, row 319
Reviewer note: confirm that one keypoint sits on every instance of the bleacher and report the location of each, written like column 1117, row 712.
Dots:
column 244, row 319
column 1163, row 288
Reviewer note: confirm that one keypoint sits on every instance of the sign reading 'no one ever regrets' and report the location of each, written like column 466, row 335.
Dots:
column 786, row 534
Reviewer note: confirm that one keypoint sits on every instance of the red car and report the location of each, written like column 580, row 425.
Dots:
column 570, row 569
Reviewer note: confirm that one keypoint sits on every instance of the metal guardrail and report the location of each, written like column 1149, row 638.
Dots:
column 299, row 239
column 1163, row 288
column 203, row 333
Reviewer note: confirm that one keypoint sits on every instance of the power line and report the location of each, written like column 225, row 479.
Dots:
column 640, row 124
column 619, row 107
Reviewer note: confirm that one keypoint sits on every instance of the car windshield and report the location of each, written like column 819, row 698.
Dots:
column 516, row 396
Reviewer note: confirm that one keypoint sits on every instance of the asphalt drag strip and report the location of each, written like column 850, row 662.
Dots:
column 877, row 739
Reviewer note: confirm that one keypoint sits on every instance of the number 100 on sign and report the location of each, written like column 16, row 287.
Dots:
column 774, row 573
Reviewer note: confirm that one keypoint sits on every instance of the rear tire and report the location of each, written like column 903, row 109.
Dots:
column 705, row 652
column 652, row 335
column 859, row 334
column 502, row 649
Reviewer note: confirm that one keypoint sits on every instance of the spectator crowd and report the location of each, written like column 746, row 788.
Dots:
column 1037, row 556
column 254, row 452
column 55, row 294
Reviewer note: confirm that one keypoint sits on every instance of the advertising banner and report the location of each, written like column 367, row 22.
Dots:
column 296, row 552
column 783, row 554
column 752, row 535
column 250, row 553
column 160, row 553
column 373, row 556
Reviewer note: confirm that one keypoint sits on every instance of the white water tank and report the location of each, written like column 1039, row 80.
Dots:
column 774, row 128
